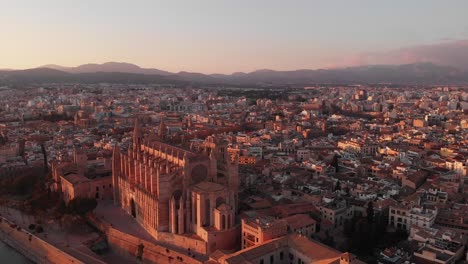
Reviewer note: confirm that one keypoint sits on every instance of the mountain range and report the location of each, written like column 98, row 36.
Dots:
column 115, row 72
column 106, row 67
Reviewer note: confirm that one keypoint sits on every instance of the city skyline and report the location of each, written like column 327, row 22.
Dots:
column 220, row 37
column 234, row 132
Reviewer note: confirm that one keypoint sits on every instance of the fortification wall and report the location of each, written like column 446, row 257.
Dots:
column 151, row 252
column 195, row 245
column 32, row 246
column 128, row 244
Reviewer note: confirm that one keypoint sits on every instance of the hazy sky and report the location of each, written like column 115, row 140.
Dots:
column 220, row 36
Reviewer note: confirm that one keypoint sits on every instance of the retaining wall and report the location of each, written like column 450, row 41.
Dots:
column 128, row 244
column 32, row 246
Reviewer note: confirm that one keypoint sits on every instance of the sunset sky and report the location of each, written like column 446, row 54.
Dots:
column 228, row 36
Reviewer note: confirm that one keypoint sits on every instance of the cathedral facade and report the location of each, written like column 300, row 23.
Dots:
column 182, row 192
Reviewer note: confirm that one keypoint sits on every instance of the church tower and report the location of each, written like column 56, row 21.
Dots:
column 233, row 169
column 80, row 159
column 137, row 134
column 162, row 129
column 213, row 165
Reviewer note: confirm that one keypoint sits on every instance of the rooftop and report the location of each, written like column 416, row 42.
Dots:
column 206, row 186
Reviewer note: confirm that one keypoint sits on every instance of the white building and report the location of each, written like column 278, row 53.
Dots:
column 402, row 217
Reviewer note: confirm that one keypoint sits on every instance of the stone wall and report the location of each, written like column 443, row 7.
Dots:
column 195, row 245
column 32, row 246
column 128, row 244
column 151, row 252
column 224, row 239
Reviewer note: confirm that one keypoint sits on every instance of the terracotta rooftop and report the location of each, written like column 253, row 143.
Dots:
column 313, row 250
column 299, row 221
column 74, row 178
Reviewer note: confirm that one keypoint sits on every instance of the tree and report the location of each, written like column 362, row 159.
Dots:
column 348, row 228
column 363, row 236
column 39, row 229
column 381, row 222
column 44, row 153
column 361, row 239
column 81, row 206
column 334, row 162
column 370, row 212
column 347, row 190
column 338, row 186
column 400, row 181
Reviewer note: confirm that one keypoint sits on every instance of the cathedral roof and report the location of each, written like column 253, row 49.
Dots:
column 208, row 187
column 170, row 149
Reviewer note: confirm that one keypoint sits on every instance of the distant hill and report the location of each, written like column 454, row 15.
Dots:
column 37, row 75
column 195, row 77
column 107, row 67
column 417, row 73
column 400, row 74
column 47, row 75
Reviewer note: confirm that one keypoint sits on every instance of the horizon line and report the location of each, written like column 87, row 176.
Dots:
column 215, row 73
